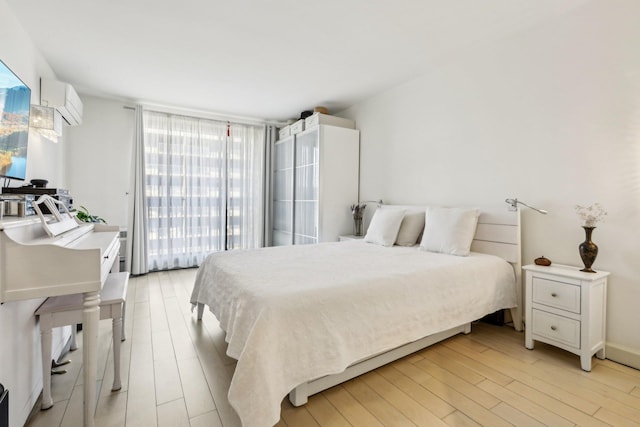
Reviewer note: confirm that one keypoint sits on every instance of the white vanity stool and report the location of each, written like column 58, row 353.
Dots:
column 67, row 310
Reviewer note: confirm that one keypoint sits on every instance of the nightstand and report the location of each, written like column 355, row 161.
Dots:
column 566, row 307
column 349, row 237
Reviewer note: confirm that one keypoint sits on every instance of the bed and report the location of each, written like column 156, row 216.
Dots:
column 301, row 319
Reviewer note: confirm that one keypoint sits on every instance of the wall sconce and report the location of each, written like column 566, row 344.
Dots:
column 513, row 206
column 47, row 121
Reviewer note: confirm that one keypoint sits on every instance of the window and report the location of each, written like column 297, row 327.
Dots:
column 204, row 188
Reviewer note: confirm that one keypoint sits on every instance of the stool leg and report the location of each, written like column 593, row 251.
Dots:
column 200, row 310
column 45, row 341
column 116, row 331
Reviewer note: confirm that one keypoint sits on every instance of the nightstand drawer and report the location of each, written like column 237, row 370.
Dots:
column 560, row 295
column 557, row 328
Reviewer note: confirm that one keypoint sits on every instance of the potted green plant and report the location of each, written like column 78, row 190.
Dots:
column 84, row 216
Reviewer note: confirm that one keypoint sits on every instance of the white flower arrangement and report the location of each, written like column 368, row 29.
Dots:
column 590, row 215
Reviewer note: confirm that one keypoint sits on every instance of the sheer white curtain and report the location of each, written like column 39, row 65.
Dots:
column 136, row 260
column 245, row 186
column 204, row 188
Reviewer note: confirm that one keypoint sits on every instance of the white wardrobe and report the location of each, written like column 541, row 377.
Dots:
column 315, row 183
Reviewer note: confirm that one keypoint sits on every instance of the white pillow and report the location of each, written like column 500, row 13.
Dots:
column 449, row 230
column 384, row 226
column 411, row 227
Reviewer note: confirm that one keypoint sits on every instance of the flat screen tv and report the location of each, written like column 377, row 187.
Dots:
column 15, row 99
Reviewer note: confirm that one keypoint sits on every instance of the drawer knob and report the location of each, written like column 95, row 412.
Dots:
column 553, row 328
column 553, row 294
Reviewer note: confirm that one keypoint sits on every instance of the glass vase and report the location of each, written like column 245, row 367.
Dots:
column 357, row 226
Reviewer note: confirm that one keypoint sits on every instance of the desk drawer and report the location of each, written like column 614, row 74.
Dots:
column 560, row 295
column 109, row 257
column 557, row 328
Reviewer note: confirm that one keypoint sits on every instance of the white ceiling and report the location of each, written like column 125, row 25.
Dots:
column 265, row 59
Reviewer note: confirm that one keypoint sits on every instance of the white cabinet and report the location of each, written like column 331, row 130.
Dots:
column 283, row 169
column 315, row 183
column 566, row 307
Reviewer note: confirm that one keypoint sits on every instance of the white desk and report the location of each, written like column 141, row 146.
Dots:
column 76, row 262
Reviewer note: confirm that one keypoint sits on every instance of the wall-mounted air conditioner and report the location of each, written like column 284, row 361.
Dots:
column 64, row 98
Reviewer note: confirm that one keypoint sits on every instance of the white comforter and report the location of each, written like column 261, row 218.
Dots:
column 296, row 313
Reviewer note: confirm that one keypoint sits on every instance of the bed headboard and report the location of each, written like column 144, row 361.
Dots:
column 498, row 233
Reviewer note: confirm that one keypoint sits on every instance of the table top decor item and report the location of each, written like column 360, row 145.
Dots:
column 590, row 216
column 542, row 261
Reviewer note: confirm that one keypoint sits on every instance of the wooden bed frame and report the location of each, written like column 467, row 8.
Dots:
column 497, row 233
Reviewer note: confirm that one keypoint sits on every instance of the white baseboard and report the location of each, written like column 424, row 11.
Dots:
column 623, row 355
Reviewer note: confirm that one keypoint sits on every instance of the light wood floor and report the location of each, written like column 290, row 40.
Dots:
column 175, row 373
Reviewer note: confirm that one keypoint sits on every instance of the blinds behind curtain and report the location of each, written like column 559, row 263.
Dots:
column 203, row 186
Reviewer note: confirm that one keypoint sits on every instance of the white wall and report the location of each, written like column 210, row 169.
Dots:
column 551, row 116
column 99, row 159
column 45, row 159
column 20, row 363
